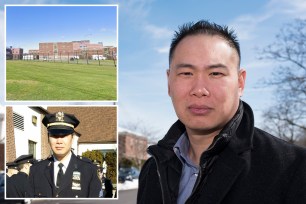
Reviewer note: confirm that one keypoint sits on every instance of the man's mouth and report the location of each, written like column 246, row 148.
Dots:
column 199, row 109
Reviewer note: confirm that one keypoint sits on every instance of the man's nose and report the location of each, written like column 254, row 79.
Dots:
column 59, row 140
column 199, row 87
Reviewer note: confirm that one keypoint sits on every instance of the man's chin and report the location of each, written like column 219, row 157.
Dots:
column 60, row 154
column 202, row 129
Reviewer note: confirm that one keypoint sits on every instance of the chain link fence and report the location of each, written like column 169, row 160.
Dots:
column 79, row 57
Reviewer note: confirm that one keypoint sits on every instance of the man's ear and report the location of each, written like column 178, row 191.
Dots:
column 241, row 81
column 168, row 75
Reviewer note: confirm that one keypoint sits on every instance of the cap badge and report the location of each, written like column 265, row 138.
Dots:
column 60, row 116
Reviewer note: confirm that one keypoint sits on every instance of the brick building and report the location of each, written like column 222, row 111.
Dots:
column 34, row 54
column 17, row 53
column 26, row 134
column 65, row 50
column 9, row 54
column 132, row 146
column 110, row 52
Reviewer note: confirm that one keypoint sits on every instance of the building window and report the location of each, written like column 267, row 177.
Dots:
column 32, row 148
column 34, row 120
column 18, row 121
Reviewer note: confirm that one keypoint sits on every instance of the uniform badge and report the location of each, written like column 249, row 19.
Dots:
column 59, row 116
column 76, row 180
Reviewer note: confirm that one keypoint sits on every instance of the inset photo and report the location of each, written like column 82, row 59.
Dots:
column 61, row 152
column 61, row 52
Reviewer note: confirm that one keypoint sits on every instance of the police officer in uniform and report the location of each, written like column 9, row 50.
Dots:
column 63, row 175
column 17, row 186
column 11, row 169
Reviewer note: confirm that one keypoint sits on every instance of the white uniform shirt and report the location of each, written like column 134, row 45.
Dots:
column 65, row 162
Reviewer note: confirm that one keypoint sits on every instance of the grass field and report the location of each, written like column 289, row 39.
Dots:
column 33, row 80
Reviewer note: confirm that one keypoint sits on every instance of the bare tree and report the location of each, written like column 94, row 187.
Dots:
column 145, row 130
column 281, row 120
column 287, row 118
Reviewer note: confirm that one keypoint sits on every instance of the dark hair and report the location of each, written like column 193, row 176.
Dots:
column 205, row 28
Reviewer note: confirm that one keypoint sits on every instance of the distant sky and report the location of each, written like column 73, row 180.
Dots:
column 26, row 26
column 145, row 31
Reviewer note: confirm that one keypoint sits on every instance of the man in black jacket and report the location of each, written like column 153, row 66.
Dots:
column 63, row 175
column 213, row 153
column 17, row 186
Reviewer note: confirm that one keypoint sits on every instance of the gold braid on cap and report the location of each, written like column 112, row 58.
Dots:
column 60, row 123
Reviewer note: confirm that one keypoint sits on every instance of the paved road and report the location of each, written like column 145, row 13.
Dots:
column 125, row 197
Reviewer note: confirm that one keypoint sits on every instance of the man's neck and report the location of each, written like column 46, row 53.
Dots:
column 199, row 143
column 63, row 159
column 25, row 171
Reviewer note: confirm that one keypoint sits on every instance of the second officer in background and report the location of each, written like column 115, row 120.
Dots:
column 17, row 186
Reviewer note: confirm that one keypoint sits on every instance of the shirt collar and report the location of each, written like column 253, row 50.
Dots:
column 181, row 150
column 65, row 162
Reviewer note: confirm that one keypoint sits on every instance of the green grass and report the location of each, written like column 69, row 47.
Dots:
column 33, row 80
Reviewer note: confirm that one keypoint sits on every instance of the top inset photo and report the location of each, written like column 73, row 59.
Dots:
column 61, row 52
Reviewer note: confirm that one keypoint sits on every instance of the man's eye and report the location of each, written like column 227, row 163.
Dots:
column 185, row 73
column 216, row 74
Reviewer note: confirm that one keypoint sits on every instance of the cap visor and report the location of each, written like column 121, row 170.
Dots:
column 56, row 131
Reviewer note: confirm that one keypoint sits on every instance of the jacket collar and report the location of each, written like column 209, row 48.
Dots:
column 229, row 162
column 68, row 174
column 239, row 130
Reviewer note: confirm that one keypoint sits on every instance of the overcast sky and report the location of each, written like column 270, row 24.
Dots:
column 145, row 31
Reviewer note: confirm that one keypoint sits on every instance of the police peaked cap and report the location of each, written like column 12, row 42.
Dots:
column 27, row 158
column 60, row 123
column 11, row 165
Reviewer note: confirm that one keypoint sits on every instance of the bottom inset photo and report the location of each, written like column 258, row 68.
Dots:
column 61, row 152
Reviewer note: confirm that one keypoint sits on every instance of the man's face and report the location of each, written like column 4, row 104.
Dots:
column 204, row 83
column 60, row 145
column 27, row 167
column 12, row 172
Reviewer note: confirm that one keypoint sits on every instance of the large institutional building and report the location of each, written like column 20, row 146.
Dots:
column 69, row 48
column 82, row 49
column 132, row 146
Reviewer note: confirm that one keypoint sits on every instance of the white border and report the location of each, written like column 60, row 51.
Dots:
column 12, row 102
column 117, row 143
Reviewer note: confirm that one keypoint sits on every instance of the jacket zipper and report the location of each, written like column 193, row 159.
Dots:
column 158, row 173
column 198, row 181
column 201, row 172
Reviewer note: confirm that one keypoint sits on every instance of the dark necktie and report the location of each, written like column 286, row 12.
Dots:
column 60, row 175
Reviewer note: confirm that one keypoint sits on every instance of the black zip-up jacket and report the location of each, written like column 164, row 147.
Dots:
column 243, row 165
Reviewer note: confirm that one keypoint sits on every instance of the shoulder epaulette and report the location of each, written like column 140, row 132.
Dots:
column 85, row 159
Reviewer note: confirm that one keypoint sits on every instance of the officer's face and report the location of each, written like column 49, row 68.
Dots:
column 204, row 83
column 27, row 167
column 60, row 145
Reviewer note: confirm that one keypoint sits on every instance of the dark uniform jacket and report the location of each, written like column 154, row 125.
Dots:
column 18, row 186
column 243, row 165
column 80, row 179
column 108, row 188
